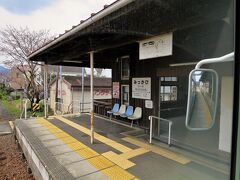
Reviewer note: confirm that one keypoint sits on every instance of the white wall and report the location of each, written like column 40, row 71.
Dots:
column 225, row 133
column 76, row 95
column 99, row 94
column 66, row 95
column 77, row 98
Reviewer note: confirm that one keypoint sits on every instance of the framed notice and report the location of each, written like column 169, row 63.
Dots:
column 116, row 90
column 154, row 47
column 141, row 88
column 148, row 104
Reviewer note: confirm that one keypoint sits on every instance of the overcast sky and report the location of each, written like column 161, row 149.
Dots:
column 55, row 15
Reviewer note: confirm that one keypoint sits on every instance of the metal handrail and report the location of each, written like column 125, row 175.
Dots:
column 161, row 119
column 63, row 105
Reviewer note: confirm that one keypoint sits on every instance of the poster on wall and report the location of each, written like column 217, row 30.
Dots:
column 116, row 90
column 141, row 88
column 103, row 93
column 154, row 47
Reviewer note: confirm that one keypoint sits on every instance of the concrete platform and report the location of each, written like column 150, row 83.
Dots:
column 60, row 148
column 5, row 128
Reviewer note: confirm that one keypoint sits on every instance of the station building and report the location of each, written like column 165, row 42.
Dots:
column 151, row 47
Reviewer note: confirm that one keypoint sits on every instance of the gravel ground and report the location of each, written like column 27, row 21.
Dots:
column 12, row 164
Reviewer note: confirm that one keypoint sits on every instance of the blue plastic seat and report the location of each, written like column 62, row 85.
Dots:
column 129, row 112
column 114, row 109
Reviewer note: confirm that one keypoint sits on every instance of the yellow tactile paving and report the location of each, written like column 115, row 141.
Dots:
column 98, row 161
column 60, row 134
column 134, row 153
column 55, row 130
column 68, row 139
column 112, row 143
column 117, row 173
column 97, row 136
column 76, row 146
column 117, row 159
column 163, row 152
column 87, row 153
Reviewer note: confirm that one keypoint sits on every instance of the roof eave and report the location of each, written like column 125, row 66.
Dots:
column 110, row 9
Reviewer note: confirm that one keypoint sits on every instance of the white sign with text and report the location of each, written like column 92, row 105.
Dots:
column 141, row 88
column 154, row 47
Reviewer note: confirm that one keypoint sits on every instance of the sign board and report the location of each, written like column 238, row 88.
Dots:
column 103, row 93
column 158, row 46
column 116, row 90
column 141, row 88
column 149, row 104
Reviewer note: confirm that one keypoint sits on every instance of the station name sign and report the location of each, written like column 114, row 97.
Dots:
column 157, row 46
column 141, row 88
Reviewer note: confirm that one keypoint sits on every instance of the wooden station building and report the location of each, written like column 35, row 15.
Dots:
column 151, row 46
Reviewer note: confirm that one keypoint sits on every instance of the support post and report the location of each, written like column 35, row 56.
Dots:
column 61, row 99
column 82, row 105
column 169, row 133
column 150, row 134
column 92, row 98
column 25, row 109
column 45, row 90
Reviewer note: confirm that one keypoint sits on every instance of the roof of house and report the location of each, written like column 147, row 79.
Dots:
column 66, row 69
column 74, row 81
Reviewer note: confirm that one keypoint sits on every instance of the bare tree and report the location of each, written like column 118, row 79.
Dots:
column 16, row 44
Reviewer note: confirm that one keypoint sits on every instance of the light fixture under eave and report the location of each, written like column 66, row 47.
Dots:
column 72, row 61
column 183, row 64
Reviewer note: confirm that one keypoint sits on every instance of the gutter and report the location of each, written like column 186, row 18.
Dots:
column 113, row 7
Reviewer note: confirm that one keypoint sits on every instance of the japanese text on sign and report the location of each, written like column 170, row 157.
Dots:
column 154, row 47
column 141, row 88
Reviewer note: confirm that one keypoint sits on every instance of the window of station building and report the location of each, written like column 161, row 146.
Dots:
column 174, row 79
column 125, row 94
column 59, row 104
column 125, row 71
column 168, row 93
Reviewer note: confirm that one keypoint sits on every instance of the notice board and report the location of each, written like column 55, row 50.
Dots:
column 141, row 88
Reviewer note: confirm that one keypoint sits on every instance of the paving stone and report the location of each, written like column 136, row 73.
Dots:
column 47, row 137
column 94, row 176
column 53, row 142
column 59, row 149
column 81, row 168
column 67, row 158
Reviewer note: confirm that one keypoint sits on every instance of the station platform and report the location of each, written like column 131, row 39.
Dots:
column 59, row 148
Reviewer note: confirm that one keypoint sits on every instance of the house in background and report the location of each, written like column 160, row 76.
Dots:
column 17, row 80
column 70, row 93
column 4, row 72
column 77, row 71
column 66, row 70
